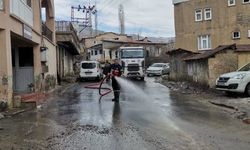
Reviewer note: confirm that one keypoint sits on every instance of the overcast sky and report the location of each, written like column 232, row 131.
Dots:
column 144, row 17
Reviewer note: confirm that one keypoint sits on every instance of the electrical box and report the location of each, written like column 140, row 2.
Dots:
column 44, row 54
column 45, row 69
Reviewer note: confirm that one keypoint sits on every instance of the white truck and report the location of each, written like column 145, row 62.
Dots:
column 133, row 62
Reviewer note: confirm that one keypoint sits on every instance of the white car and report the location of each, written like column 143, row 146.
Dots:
column 158, row 69
column 91, row 70
column 238, row 81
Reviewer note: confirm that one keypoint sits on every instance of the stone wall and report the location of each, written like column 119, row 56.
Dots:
column 243, row 58
column 223, row 62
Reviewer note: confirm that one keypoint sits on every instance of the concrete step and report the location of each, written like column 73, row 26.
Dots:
column 29, row 100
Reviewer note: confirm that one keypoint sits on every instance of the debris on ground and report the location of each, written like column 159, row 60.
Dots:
column 246, row 121
column 3, row 105
column 1, row 116
column 236, row 105
column 184, row 87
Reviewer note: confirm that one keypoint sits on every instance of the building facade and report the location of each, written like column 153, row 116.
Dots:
column 94, row 47
column 27, row 47
column 205, row 24
column 68, row 46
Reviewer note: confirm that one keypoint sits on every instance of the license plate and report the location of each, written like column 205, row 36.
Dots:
column 221, row 83
column 88, row 72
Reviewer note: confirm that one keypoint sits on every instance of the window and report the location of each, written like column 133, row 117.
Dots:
column 236, row 35
column 116, row 54
column 88, row 65
column 26, row 57
column 27, row 2
column 1, row 4
column 92, row 52
column 231, row 2
column 96, row 52
column 198, row 15
column 208, row 13
column 204, row 42
column 245, row 1
column 133, row 53
column 110, row 54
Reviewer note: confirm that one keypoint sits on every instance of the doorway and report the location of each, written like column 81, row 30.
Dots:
column 23, row 69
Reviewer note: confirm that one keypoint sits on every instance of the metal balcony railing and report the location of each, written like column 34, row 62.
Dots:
column 65, row 26
column 47, row 32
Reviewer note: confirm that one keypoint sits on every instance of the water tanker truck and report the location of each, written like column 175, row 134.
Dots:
column 133, row 62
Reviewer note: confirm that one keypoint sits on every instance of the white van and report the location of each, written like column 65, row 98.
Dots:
column 91, row 70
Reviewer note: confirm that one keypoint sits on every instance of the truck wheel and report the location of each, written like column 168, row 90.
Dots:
column 98, row 78
column 247, row 91
column 82, row 80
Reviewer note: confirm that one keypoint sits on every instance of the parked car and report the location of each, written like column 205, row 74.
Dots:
column 238, row 81
column 158, row 69
column 91, row 70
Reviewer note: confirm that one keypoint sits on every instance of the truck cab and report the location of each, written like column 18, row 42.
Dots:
column 133, row 62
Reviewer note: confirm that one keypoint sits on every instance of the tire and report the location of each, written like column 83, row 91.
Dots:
column 247, row 90
column 230, row 94
column 82, row 80
column 98, row 78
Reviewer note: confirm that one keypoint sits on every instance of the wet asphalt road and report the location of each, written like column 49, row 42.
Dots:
column 152, row 118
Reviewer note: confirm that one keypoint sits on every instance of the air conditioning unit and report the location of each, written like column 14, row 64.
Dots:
column 44, row 54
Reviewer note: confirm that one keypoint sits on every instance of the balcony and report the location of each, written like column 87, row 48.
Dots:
column 65, row 26
column 21, row 10
column 67, row 35
column 47, row 32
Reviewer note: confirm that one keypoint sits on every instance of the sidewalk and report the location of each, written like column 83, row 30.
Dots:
column 37, row 98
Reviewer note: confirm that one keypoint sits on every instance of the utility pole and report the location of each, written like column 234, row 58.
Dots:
column 84, row 22
column 121, row 19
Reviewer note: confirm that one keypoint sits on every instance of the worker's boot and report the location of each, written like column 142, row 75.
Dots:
column 116, row 96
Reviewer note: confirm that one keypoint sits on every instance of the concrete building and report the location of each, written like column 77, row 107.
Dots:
column 104, row 47
column 155, row 52
column 205, row 24
column 92, row 44
column 68, row 46
column 217, row 31
column 27, row 47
